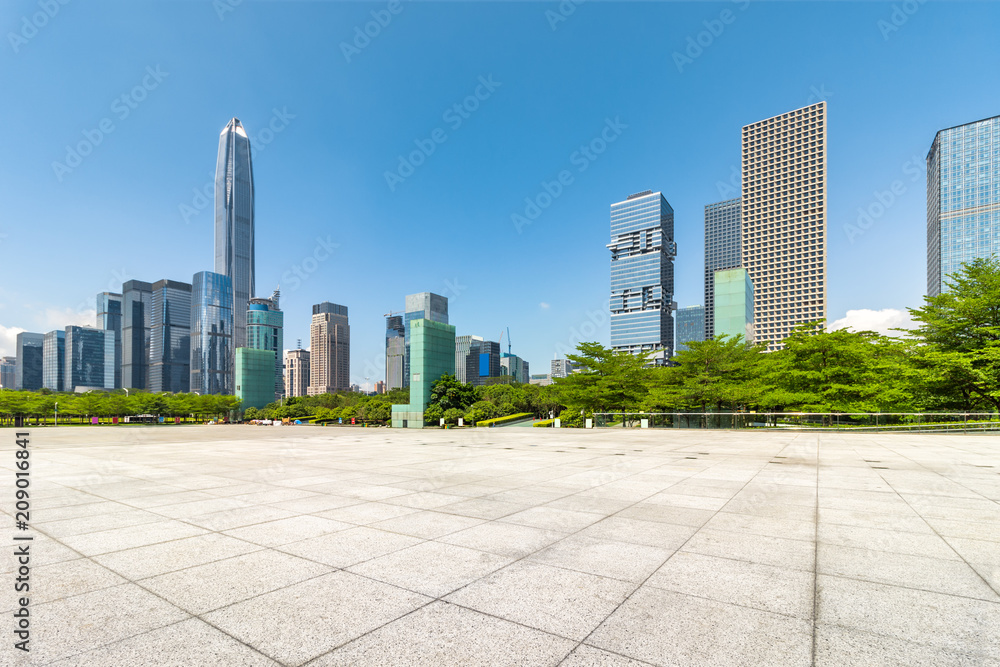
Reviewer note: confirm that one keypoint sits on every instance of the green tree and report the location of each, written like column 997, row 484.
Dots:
column 447, row 393
column 609, row 380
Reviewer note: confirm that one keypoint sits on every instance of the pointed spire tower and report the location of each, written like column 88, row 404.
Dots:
column 234, row 221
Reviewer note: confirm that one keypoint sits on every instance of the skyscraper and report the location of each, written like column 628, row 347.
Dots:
column 90, row 359
column 109, row 318
column 560, row 368
column 265, row 331
column 734, row 304
column 395, row 351
column 784, row 220
column 137, row 310
column 690, row 326
column 170, row 337
column 466, row 347
column 432, row 346
column 421, row 306
column 212, row 352
column 330, row 349
column 514, row 367
column 297, row 373
column 723, row 250
column 8, row 372
column 234, row 221
column 963, row 198
column 54, row 360
column 28, row 373
column 642, row 276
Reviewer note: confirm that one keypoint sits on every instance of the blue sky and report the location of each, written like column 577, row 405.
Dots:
column 330, row 121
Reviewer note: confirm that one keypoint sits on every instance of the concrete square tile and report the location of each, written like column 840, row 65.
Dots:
column 844, row 647
column 239, row 517
column 763, row 525
column 283, row 531
column 549, row 518
column 780, row 552
column 149, row 561
column 980, row 552
column 65, row 579
column 424, row 500
column 106, row 541
column 865, row 519
column 365, row 513
column 915, row 544
column 122, row 518
column 651, row 533
column 505, row 539
column 665, row 513
column 349, row 547
column 589, row 503
column 605, row 558
column 588, row 656
column 481, row 508
column 427, row 524
column 315, row 503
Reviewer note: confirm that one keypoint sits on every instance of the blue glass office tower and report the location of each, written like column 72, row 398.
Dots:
column 234, row 221
column 690, row 326
column 170, row 337
column 642, row 276
column 723, row 245
column 212, row 353
column 54, row 360
column 421, row 306
column 265, row 331
column 963, row 199
column 137, row 310
column 28, row 373
column 90, row 359
column 109, row 318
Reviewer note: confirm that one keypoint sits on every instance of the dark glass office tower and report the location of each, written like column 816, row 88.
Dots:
column 211, row 333
column 170, row 337
column 234, row 221
column 90, row 359
column 723, row 250
column 137, row 309
column 54, row 360
column 642, row 276
column 28, row 374
column 421, row 306
column 109, row 318
column 8, row 372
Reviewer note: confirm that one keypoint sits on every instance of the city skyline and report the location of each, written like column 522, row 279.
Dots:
column 881, row 130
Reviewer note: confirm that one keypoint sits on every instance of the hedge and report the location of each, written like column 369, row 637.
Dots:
column 544, row 422
column 501, row 420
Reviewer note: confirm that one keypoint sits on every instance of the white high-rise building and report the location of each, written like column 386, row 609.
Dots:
column 784, row 220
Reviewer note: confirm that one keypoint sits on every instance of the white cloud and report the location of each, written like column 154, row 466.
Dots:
column 8, row 340
column 60, row 318
column 544, row 306
column 881, row 321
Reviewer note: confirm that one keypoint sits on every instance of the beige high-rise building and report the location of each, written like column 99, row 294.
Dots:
column 297, row 373
column 330, row 349
column 784, row 220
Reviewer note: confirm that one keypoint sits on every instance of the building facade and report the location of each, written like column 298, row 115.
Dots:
column 330, row 349
column 690, row 326
column 234, row 220
column 90, row 359
column 28, row 372
column 265, row 331
column 514, row 367
column 8, row 372
column 734, row 304
column 54, row 360
column 642, row 276
column 432, row 354
column 109, row 318
column 466, row 346
column 212, row 352
column 170, row 337
column 723, row 250
column 137, row 312
column 560, row 368
column 395, row 351
column 254, row 377
column 421, row 306
column 784, row 220
column 297, row 373
column 963, row 199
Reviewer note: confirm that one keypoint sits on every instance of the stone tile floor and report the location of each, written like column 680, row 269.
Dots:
column 231, row 545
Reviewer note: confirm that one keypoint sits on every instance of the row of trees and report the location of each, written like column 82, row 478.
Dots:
column 330, row 407
column 44, row 404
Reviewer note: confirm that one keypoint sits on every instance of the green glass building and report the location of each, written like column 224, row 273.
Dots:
column 432, row 354
column 254, row 377
column 734, row 304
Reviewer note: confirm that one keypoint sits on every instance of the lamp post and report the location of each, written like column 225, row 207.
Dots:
column 57, row 413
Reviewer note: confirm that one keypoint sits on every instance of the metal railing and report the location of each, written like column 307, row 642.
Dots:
column 921, row 422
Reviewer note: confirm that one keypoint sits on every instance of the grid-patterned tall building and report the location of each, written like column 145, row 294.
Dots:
column 465, row 347
column 784, row 220
column 169, row 337
column 54, row 360
column 109, row 318
column 8, row 372
column 330, row 349
column 297, row 372
column 963, row 198
column 690, row 326
column 90, row 359
column 212, row 353
column 395, row 351
column 28, row 372
column 642, row 275
column 137, row 311
column 421, row 306
column 723, row 250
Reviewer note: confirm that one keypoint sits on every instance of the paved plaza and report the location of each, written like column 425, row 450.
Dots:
column 240, row 545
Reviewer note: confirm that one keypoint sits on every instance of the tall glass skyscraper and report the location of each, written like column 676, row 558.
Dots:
column 723, row 241
column 963, row 199
column 54, row 360
column 421, row 306
column 395, row 351
column 109, row 317
column 170, row 337
column 8, row 372
column 642, row 276
column 690, row 326
column 137, row 310
column 265, row 331
column 212, row 353
column 28, row 373
column 90, row 358
column 234, row 221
